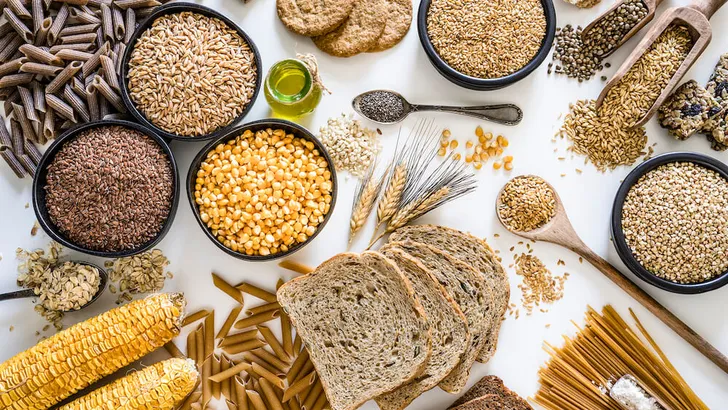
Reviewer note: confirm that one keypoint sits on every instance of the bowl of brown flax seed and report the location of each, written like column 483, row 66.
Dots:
column 486, row 56
column 669, row 222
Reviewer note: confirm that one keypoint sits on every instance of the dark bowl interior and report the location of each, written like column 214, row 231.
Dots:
column 289, row 127
column 620, row 243
column 39, row 194
column 174, row 8
column 482, row 84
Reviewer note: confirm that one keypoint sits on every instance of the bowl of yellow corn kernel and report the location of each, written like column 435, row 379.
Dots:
column 263, row 190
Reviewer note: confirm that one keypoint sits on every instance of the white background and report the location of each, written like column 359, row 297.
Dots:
column 587, row 198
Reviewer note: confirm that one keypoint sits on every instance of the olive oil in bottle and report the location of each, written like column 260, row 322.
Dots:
column 290, row 89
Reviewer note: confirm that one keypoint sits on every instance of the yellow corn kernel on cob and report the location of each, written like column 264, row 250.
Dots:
column 71, row 360
column 158, row 387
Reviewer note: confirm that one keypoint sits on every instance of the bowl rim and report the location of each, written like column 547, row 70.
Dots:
column 486, row 84
column 301, row 132
column 39, row 183
column 620, row 243
column 174, row 8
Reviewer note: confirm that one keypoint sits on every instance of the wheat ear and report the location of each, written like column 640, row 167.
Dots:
column 363, row 203
column 392, row 196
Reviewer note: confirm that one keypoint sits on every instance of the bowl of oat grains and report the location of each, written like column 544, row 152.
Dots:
column 486, row 44
column 190, row 73
column 107, row 188
column 670, row 222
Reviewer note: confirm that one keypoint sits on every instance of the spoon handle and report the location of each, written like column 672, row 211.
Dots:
column 507, row 114
column 24, row 293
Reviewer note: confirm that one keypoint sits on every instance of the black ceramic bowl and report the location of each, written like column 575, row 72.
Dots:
column 174, row 8
column 273, row 123
column 624, row 251
column 482, row 84
column 39, row 194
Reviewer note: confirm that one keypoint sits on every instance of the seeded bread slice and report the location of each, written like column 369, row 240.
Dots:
column 468, row 288
column 475, row 252
column 488, row 385
column 494, row 402
column 365, row 331
column 448, row 325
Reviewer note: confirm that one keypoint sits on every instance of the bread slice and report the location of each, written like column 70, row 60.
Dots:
column 475, row 252
column 365, row 331
column 494, row 402
column 468, row 288
column 448, row 326
column 488, row 385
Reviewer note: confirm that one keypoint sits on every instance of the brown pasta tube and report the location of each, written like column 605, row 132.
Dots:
column 27, row 164
column 79, row 47
column 77, row 103
column 84, row 17
column 32, row 151
column 92, row 63
column 78, row 38
column 12, row 66
column 63, row 77
column 18, row 8
column 58, row 23
column 37, row 54
column 15, row 80
column 49, row 126
column 7, row 39
column 93, row 103
column 5, row 28
column 14, row 97
column 20, row 27
column 36, row 9
column 41, row 36
column 120, row 55
column 5, row 138
column 22, row 117
column 107, row 22
column 73, row 2
column 10, row 50
column 38, row 96
column 16, row 133
column 104, row 106
column 110, row 75
column 117, row 19
column 130, row 23
column 7, row 154
column 26, row 97
column 108, row 93
column 137, row 4
column 98, row 3
column 79, row 29
column 41, row 69
column 60, row 107
column 73, row 55
column 78, row 87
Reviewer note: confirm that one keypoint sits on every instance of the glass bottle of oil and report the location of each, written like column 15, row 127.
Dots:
column 290, row 89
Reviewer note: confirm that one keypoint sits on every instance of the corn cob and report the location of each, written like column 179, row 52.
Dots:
column 71, row 360
column 159, row 387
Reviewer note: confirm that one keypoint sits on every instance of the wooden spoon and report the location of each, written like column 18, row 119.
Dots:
column 558, row 230
column 651, row 6
column 696, row 18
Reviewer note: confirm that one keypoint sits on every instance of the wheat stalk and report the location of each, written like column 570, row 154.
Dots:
column 416, row 209
column 392, row 195
column 366, row 196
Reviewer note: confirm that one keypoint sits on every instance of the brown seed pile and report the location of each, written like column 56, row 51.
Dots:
column 109, row 189
column 143, row 273
column 675, row 220
column 607, row 137
column 539, row 284
column 486, row 38
column 190, row 74
column 526, row 203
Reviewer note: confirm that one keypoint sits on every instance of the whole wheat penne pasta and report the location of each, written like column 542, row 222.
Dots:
column 80, row 47
column 239, row 386
column 67, row 125
column 22, row 117
column 270, row 395
column 49, row 125
column 79, row 29
column 274, row 344
column 263, row 308
column 6, row 39
column 305, row 370
column 256, row 401
column 206, row 383
column 16, row 134
column 73, row 2
column 312, row 395
column 104, row 106
column 144, row 12
column 225, row 384
column 79, row 88
column 295, row 266
column 280, row 282
column 219, row 282
column 231, row 405
column 269, row 357
column 9, row 51
column 268, row 375
column 107, row 23
column 287, row 334
column 117, row 18
column 58, row 23
column 173, row 350
column 79, row 106
column 238, row 337
column 61, row 108
column 38, row 130
column 14, row 97
column 297, row 343
column 84, row 17
column 32, row 151
column 108, row 93
column 93, row 104
column 243, row 346
column 18, row 9
column 78, row 38
column 5, row 28
column 251, row 358
column 192, row 347
column 130, row 24
column 210, row 333
column 36, row 8
column 98, row 3
column 137, row 4
column 193, row 317
column 7, row 155
column 41, row 36
column 232, row 371
column 216, row 388
column 26, row 97
column 297, row 365
column 63, row 77
column 192, row 398
column 120, row 55
column 12, row 66
column 229, row 322
column 41, row 69
column 200, row 343
column 293, row 404
column 299, row 386
column 39, row 55
column 257, row 292
column 5, row 138
column 257, row 319
column 320, row 402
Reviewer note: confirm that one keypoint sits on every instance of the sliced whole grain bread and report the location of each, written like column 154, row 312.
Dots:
column 448, row 326
column 468, row 288
column 488, row 385
column 477, row 253
column 495, row 402
column 365, row 331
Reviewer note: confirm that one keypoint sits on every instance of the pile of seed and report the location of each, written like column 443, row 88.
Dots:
column 351, row 146
column 381, row 106
column 539, row 284
column 143, row 273
column 264, row 191
column 109, row 189
column 608, row 137
column 526, row 203
column 486, row 38
column 675, row 220
column 190, row 74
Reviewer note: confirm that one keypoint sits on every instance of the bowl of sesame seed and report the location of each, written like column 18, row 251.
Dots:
column 486, row 44
column 669, row 222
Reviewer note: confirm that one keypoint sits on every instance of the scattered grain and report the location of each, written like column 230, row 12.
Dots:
column 539, row 285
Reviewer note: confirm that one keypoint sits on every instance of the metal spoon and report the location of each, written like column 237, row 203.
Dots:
column 507, row 114
column 27, row 293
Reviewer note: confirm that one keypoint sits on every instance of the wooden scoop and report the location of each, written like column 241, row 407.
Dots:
column 695, row 17
column 651, row 6
column 558, row 230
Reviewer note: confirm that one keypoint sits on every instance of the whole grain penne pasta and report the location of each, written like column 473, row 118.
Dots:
column 16, row 133
column 107, row 23
column 229, row 322
column 192, row 347
column 104, row 106
column 210, row 333
column 216, row 388
column 243, row 346
column 98, row 3
column 192, row 398
column 241, row 398
column 12, row 66
column 219, row 282
column 5, row 138
column 79, row 106
column 73, row 2
column 36, row 8
column 79, row 88
column 268, row 375
column 41, row 69
column 305, row 370
column 293, row 404
column 38, row 129
column 7, row 155
column 78, row 38
column 299, row 386
column 287, row 334
column 58, row 23
column 173, row 350
column 252, row 358
column 18, row 9
column 143, row 12
column 11, row 48
column 320, row 402
column 38, row 96
column 14, row 97
column 136, row 4
column 193, row 317
column 256, row 402
column 231, row 405
column 93, row 63
column 84, row 16
column 61, row 108
column 232, row 371
column 297, row 365
column 49, row 125
column 26, row 97
column 299, row 268
column 120, row 56
column 270, row 395
column 22, row 117
column 257, row 319
column 5, row 28
column 39, row 55
column 130, row 24
column 274, row 344
column 93, row 103
column 206, row 383
column 238, row 338
column 268, row 357
column 6, row 39
column 225, row 384
column 80, row 47
column 297, row 343
column 79, row 29
column 41, row 36
column 257, row 292
column 263, row 308
column 312, row 395
column 32, row 151
column 67, row 125
column 117, row 18
column 63, row 77
column 200, row 343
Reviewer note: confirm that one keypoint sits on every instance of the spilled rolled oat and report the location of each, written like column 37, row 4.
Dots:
column 143, row 273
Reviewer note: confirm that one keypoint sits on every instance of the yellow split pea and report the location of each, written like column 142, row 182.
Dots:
column 263, row 192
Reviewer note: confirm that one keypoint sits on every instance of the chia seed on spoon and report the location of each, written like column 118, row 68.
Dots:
column 382, row 106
